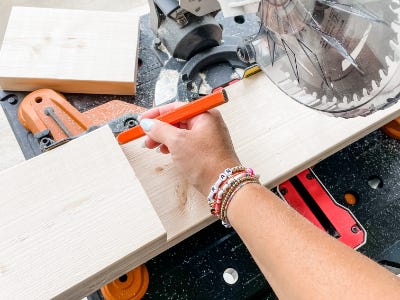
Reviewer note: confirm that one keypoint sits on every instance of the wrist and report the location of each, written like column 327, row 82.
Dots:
column 213, row 173
column 242, row 204
column 229, row 182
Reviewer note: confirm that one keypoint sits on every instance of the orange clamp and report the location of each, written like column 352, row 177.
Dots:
column 392, row 129
column 32, row 113
column 131, row 286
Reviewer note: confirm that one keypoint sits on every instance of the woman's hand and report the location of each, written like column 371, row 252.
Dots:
column 200, row 147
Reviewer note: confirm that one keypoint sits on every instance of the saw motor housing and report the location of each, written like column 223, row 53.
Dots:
column 188, row 27
column 183, row 33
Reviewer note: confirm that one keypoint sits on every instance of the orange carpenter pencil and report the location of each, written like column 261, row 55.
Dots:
column 181, row 113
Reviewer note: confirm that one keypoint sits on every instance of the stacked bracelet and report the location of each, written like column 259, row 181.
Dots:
column 228, row 183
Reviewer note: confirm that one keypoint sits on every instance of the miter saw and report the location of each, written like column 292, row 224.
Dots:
column 336, row 56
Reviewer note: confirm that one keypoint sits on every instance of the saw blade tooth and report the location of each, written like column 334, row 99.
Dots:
column 389, row 59
column 310, row 89
column 375, row 84
column 395, row 42
column 383, row 73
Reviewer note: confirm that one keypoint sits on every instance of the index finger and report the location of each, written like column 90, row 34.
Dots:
column 161, row 110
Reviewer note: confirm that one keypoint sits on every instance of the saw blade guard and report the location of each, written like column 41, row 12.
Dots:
column 336, row 56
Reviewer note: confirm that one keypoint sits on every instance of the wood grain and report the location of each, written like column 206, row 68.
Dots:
column 70, row 51
column 10, row 151
column 271, row 133
column 73, row 219
column 137, row 7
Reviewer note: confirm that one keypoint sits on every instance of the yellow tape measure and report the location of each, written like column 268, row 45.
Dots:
column 250, row 71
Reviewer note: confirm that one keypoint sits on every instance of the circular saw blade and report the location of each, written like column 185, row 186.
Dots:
column 334, row 56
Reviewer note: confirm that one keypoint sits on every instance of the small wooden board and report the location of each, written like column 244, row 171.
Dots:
column 73, row 51
column 73, row 219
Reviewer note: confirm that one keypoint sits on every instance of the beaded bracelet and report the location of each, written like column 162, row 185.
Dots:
column 221, row 178
column 230, row 175
column 227, row 187
column 228, row 183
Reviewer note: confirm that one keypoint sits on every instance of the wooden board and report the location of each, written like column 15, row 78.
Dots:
column 70, row 51
column 138, row 7
column 73, row 219
column 271, row 133
column 10, row 151
column 56, row 218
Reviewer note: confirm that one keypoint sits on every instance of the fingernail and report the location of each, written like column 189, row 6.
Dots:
column 158, row 149
column 144, row 145
column 146, row 124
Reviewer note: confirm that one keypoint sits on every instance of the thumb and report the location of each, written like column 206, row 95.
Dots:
column 158, row 131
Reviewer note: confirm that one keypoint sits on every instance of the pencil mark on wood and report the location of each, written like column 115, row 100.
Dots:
column 181, row 192
column 76, row 205
column 159, row 169
column 3, row 269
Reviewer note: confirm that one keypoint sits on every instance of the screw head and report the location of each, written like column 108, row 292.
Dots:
column 129, row 123
column 12, row 100
column 157, row 42
column 189, row 85
column 355, row 229
column 283, row 191
column 46, row 141
column 185, row 77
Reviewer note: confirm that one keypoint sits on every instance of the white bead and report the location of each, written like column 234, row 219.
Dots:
column 227, row 225
column 239, row 176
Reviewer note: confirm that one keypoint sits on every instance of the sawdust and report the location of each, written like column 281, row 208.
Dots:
column 166, row 86
column 238, row 74
column 162, row 48
column 205, row 87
